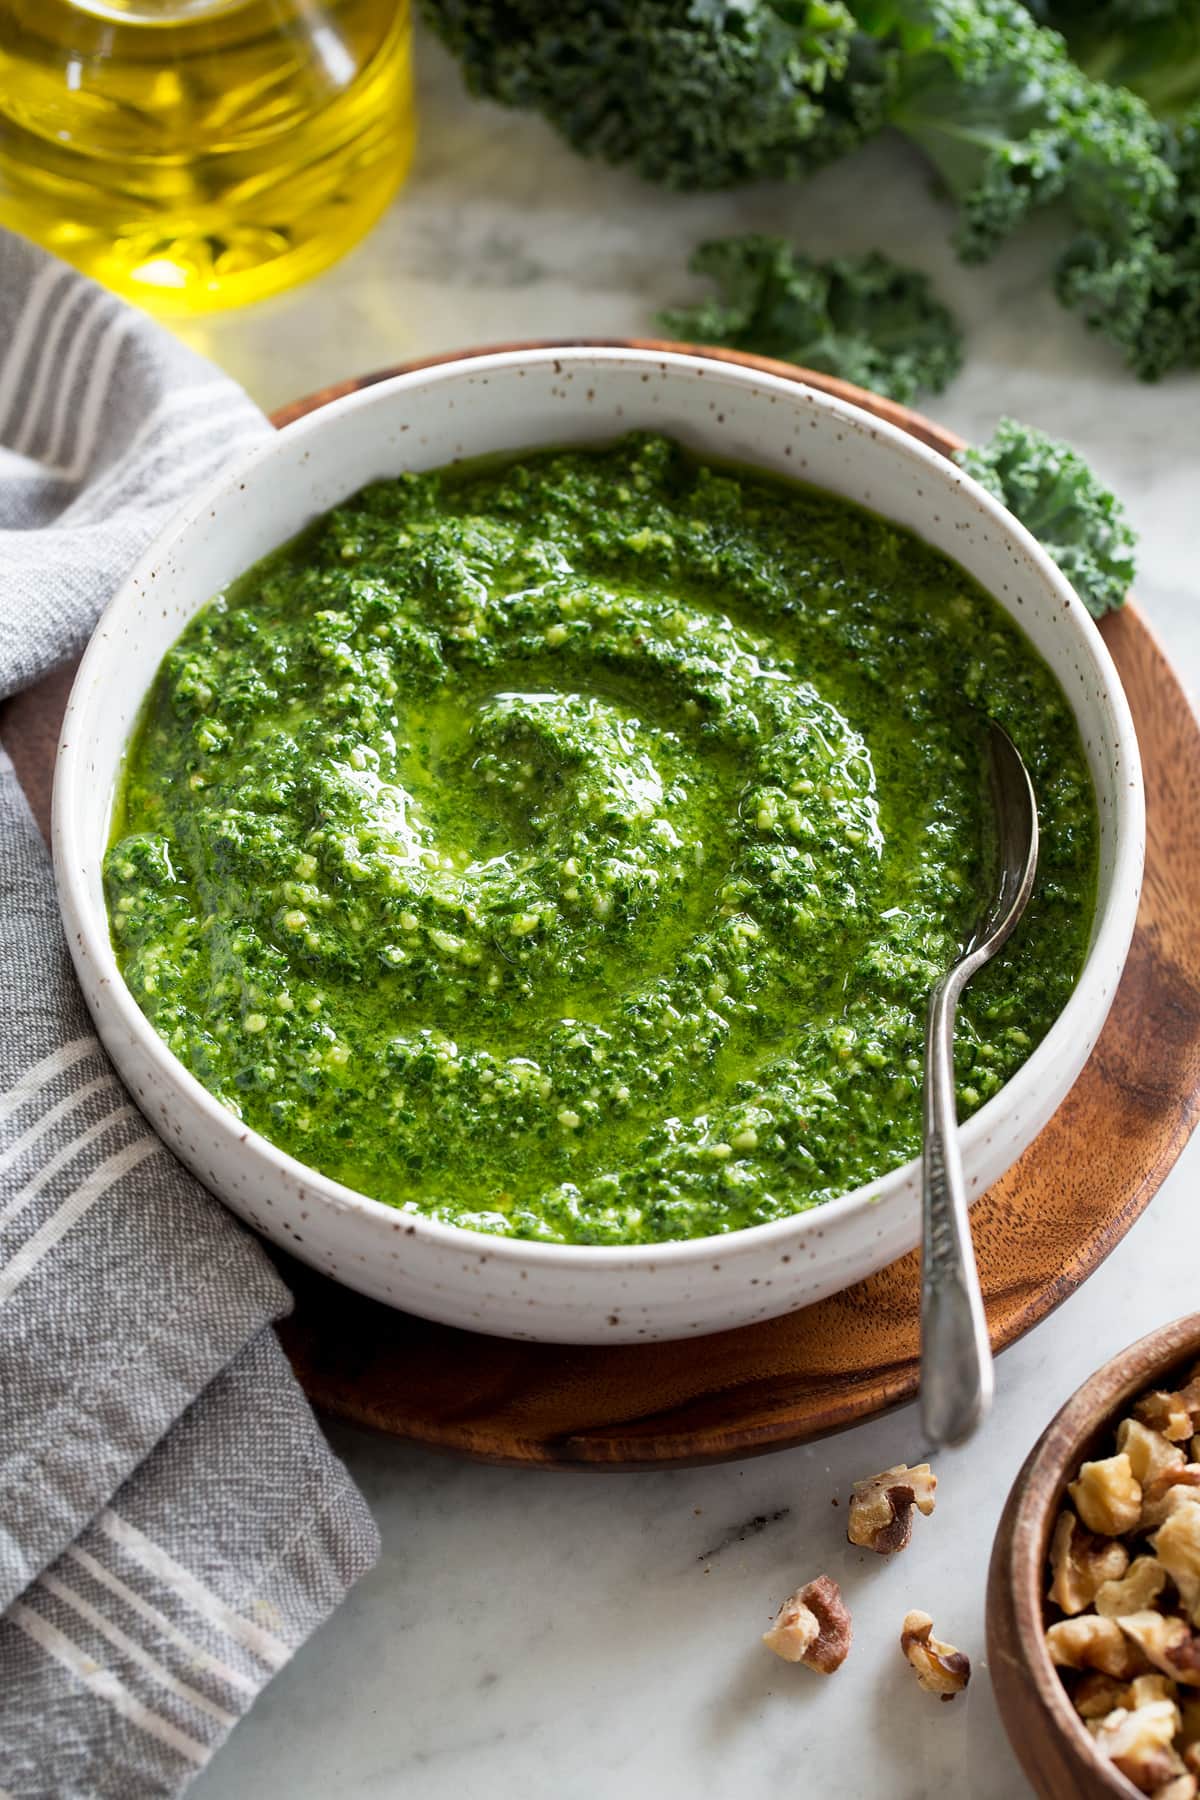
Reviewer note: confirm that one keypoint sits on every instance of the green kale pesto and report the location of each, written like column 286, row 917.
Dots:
column 566, row 847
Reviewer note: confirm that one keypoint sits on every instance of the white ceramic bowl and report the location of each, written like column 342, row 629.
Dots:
column 511, row 401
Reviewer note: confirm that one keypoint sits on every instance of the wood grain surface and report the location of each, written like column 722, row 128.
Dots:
column 1038, row 1233
column 1052, row 1743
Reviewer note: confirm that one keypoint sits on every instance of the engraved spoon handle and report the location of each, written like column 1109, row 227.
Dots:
column 956, row 1356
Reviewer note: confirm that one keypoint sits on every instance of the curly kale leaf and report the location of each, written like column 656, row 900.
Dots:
column 1009, row 121
column 1058, row 497
column 862, row 318
column 1141, row 287
column 693, row 93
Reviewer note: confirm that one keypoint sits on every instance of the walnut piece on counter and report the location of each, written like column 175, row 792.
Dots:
column 1082, row 1564
column 1140, row 1744
column 881, row 1507
column 1107, row 1495
column 940, row 1668
column 1090, row 1642
column 812, row 1627
column 1137, row 1590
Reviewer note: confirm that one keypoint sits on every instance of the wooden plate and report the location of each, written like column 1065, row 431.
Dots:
column 1039, row 1233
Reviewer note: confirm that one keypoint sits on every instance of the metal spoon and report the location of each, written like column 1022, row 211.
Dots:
column 956, row 1356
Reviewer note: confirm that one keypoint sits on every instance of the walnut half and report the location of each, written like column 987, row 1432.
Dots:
column 812, row 1627
column 881, row 1508
column 940, row 1668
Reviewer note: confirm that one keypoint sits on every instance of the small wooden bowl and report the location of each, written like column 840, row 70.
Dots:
column 1051, row 1741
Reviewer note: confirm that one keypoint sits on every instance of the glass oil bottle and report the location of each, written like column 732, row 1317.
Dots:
column 195, row 154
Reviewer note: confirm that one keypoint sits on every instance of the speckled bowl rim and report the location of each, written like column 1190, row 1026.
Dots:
column 1017, row 1572
column 1112, row 932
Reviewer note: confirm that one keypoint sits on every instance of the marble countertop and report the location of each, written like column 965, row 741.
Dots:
column 595, row 1637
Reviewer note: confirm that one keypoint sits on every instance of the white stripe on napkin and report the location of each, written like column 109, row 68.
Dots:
column 49, row 354
column 93, row 1187
column 200, row 1658
column 104, row 1683
column 23, row 1089
column 95, row 499
column 135, row 1652
column 40, row 1127
column 66, row 412
column 38, row 1183
column 100, row 372
column 12, row 367
column 256, row 1638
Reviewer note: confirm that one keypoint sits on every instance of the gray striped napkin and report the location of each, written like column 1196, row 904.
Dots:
column 172, row 1523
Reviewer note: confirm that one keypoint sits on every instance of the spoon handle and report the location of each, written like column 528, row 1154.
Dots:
column 956, row 1356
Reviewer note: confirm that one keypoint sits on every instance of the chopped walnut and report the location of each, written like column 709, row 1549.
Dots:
column 1165, row 1412
column 1094, row 1695
column 812, row 1627
column 1150, row 1453
column 1177, row 1547
column 1089, row 1642
column 1135, row 1592
column 940, row 1668
column 881, row 1508
column 1082, row 1564
column 1107, row 1495
column 1173, row 1489
column 1168, row 1643
column 1140, row 1699
column 1139, row 1743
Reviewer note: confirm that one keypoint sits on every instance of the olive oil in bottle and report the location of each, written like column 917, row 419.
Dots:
column 195, row 154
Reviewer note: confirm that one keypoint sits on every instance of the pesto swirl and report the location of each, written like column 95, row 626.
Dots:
column 566, row 847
